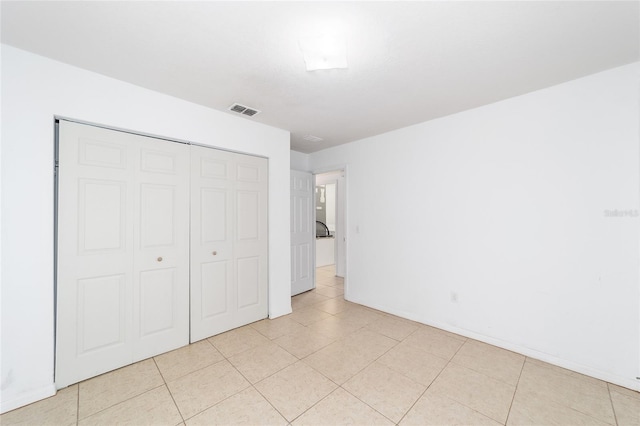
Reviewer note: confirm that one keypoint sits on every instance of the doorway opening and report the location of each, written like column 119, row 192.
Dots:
column 329, row 201
column 319, row 256
column 330, row 233
column 329, row 212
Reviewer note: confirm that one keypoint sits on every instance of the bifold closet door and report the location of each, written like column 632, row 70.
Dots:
column 229, row 243
column 123, row 250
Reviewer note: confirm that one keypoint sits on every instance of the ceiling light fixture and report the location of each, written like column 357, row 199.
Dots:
column 324, row 52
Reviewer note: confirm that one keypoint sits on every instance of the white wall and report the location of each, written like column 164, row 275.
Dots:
column 503, row 207
column 325, row 251
column 34, row 89
column 299, row 161
column 330, row 205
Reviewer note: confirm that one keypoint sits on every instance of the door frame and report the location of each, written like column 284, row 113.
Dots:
column 345, row 222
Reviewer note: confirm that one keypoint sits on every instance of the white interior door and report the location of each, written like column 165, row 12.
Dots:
column 302, row 232
column 122, row 205
column 229, row 245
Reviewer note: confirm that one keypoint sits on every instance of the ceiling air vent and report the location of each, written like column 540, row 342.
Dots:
column 311, row 138
column 244, row 110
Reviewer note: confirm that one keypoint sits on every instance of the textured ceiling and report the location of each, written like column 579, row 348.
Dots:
column 409, row 62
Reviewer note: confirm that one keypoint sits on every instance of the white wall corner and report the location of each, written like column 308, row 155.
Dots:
column 299, row 161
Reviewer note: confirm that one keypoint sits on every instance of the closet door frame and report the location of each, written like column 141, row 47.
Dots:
column 137, row 350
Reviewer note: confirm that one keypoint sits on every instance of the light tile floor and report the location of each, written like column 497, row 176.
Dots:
column 333, row 362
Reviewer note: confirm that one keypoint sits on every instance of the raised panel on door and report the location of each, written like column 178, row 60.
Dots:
column 216, row 290
column 102, row 215
column 95, row 231
column 158, row 292
column 248, row 282
column 214, row 205
column 157, row 215
column 161, row 239
column 248, row 216
column 302, row 232
column 212, row 273
column 101, row 313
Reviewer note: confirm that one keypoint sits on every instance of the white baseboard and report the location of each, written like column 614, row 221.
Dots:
column 27, row 398
column 628, row 383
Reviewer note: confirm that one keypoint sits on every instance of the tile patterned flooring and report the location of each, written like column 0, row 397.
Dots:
column 333, row 362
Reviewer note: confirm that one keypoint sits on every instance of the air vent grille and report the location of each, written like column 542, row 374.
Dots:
column 244, row 110
column 312, row 138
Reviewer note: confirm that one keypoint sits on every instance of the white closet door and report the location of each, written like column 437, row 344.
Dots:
column 122, row 204
column 251, row 239
column 302, row 232
column 161, row 241
column 212, row 280
column 228, row 241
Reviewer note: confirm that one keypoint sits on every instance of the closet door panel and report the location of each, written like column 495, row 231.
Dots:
column 212, row 273
column 123, row 245
column 161, row 239
column 228, row 241
column 251, row 240
column 95, row 253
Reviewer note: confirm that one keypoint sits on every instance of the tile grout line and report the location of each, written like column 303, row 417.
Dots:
column 231, row 364
column 317, row 402
column 513, row 398
column 169, row 389
column 252, row 385
column 574, row 408
column 459, row 402
column 613, row 408
column 367, row 404
column 78, row 406
column 310, row 366
column 270, row 403
column 432, row 381
column 340, row 386
column 122, row 402
column 219, row 402
column 395, row 372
